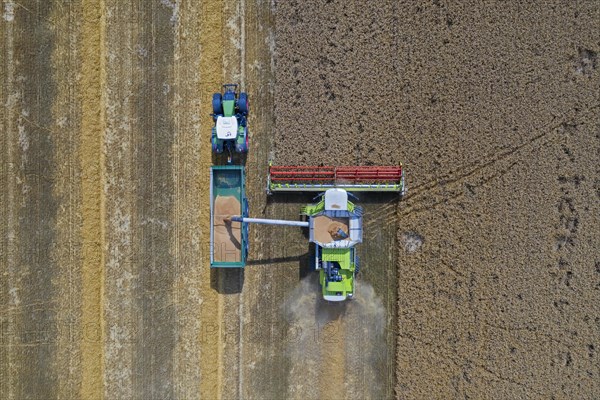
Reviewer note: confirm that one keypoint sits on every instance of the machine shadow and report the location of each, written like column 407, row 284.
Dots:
column 289, row 198
column 227, row 280
column 305, row 261
column 277, row 260
column 363, row 198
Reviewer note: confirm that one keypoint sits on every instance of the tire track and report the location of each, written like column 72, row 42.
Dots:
column 93, row 83
column 450, row 194
column 67, row 249
column 187, row 175
column 453, row 180
column 153, row 206
column 211, row 58
column 453, row 184
column 123, row 55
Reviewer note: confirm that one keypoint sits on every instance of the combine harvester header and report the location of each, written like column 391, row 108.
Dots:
column 290, row 178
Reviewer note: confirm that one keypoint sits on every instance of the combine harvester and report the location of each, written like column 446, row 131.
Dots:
column 334, row 222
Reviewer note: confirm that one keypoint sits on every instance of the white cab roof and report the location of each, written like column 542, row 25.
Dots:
column 334, row 298
column 336, row 199
column 227, row 127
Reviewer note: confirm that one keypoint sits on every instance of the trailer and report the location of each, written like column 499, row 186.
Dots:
column 228, row 241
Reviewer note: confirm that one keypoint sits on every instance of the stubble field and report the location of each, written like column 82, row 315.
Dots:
column 482, row 282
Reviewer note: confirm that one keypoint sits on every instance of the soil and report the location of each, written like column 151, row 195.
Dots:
column 482, row 282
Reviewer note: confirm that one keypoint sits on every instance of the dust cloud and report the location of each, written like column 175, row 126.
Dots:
column 350, row 333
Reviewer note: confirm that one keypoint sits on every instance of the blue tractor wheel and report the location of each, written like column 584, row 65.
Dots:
column 356, row 266
column 215, row 142
column 246, row 141
column 243, row 147
column 242, row 103
column 217, row 104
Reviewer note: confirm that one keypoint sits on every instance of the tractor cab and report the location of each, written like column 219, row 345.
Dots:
column 227, row 127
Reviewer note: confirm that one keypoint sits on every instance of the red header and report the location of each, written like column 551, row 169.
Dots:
column 292, row 173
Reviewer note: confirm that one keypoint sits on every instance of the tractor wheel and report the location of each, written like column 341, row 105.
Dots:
column 217, row 104
column 242, row 103
column 217, row 145
column 243, row 147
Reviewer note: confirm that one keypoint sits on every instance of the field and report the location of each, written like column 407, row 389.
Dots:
column 482, row 282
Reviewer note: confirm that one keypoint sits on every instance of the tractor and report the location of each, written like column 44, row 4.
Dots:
column 230, row 114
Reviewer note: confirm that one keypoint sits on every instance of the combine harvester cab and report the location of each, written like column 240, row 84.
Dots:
column 228, row 240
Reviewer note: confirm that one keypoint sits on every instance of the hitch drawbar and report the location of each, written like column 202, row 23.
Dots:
column 237, row 218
